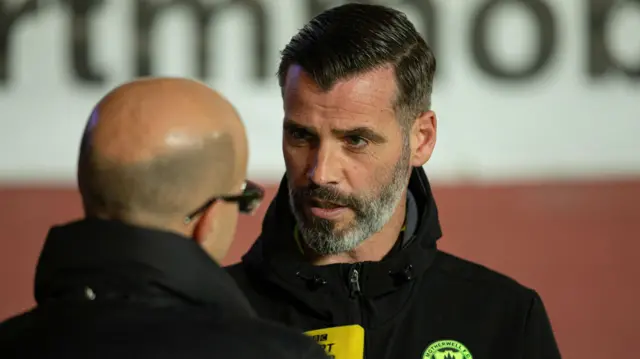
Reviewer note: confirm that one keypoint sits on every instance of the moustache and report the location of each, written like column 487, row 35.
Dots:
column 326, row 194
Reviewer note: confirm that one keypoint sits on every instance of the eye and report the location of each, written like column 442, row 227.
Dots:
column 356, row 141
column 297, row 133
column 299, row 137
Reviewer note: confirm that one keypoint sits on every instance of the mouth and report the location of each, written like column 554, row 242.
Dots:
column 325, row 204
column 325, row 209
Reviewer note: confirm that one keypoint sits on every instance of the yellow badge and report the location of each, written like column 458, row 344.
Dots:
column 345, row 342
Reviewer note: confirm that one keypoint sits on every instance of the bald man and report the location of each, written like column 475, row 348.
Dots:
column 161, row 172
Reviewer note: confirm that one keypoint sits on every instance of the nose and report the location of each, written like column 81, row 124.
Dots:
column 325, row 167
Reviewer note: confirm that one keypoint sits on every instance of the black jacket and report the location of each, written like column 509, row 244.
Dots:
column 109, row 290
column 415, row 298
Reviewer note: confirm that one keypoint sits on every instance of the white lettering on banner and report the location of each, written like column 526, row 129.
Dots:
column 531, row 88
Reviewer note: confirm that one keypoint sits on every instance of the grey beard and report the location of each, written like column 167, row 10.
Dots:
column 375, row 211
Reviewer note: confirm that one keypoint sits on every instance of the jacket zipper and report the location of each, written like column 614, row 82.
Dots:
column 354, row 281
column 355, row 294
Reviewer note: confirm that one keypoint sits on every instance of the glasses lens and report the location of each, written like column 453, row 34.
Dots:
column 251, row 198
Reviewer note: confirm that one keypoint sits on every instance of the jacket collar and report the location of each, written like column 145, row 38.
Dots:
column 89, row 250
column 275, row 257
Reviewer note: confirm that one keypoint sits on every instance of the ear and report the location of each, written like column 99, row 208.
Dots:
column 423, row 138
column 204, row 225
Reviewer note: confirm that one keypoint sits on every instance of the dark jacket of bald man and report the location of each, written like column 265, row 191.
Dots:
column 109, row 290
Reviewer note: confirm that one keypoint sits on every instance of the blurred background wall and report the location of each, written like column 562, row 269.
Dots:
column 536, row 171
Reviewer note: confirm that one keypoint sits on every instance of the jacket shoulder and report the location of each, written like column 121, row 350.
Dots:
column 150, row 332
column 258, row 292
column 235, row 270
column 239, row 274
column 499, row 296
column 477, row 275
column 12, row 327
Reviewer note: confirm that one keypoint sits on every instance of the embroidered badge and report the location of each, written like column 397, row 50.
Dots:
column 447, row 349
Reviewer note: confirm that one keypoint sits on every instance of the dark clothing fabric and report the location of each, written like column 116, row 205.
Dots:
column 415, row 297
column 109, row 290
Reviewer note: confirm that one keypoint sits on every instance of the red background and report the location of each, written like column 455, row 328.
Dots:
column 576, row 243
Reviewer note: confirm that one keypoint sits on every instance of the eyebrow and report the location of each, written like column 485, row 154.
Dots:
column 361, row 131
column 364, row 132
column 292, row 125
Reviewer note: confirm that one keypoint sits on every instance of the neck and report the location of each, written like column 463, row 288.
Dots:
column 374, row 248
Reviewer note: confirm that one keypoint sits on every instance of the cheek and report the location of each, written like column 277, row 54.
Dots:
column 372, row 176
column 362, row 175
column 228, row 225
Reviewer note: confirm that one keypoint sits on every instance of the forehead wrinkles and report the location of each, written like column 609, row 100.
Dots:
column 370, row 93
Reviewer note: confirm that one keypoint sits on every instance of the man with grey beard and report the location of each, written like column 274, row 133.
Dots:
column 371, row 211
column 350, row 238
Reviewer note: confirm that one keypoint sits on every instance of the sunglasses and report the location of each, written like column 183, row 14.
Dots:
column 248, row 201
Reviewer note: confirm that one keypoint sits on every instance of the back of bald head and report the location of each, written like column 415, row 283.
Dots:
column 156, row 149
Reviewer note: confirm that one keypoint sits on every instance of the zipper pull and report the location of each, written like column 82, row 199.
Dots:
column 354, row 282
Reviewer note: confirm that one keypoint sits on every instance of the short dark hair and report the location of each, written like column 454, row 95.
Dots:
column 351, row 39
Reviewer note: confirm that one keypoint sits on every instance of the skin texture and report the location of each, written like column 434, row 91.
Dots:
column 347, row 146
column 156, row 149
